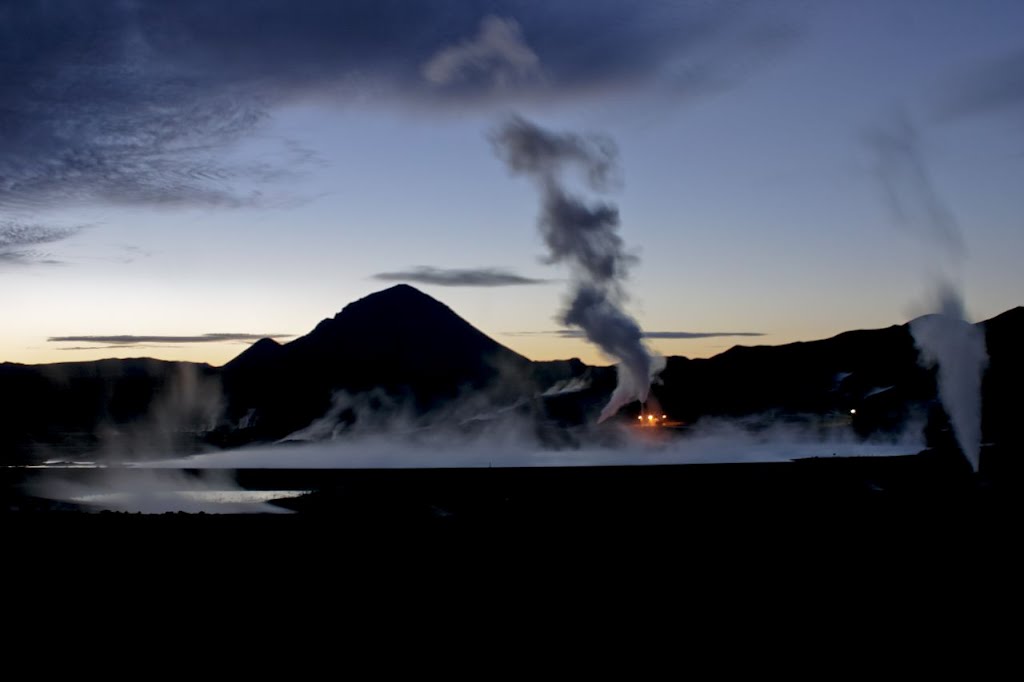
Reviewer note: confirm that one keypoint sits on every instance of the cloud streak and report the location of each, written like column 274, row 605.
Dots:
column 28, row 258
column 134, row 340
column 907, row 185
column 459, row 277
column 577, row 334
column 17, row 238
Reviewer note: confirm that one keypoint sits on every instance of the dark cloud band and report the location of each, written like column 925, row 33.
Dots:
column 133, row 340
column 134, row 102
column 456, row 277
column 18, row 239
column 577, row 334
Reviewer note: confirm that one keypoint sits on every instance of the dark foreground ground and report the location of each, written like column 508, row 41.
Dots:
column 898, row 546
column 862, row 505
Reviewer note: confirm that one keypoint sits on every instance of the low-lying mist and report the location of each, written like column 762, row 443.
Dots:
column 507, row 446
column 511, row 437
column 370, row 430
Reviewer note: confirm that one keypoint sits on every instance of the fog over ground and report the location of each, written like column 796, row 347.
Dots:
column 164, row 487
column 511, row 442
column 144, row 467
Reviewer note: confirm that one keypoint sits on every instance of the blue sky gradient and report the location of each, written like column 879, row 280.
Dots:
column 754, row 189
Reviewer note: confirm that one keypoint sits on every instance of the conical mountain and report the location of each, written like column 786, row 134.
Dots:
column 399, row 340
column 398, row 337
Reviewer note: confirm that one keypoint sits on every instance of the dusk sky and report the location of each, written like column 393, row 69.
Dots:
column 180, row 178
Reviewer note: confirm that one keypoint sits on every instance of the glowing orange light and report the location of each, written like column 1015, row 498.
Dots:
column 651, row 420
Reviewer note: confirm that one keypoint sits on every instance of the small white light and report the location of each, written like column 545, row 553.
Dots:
column 854, row 411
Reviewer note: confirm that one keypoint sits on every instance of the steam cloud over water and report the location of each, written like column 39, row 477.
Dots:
column 585, row 237
column 164, row 485
column 508, row 441
column 170, row 480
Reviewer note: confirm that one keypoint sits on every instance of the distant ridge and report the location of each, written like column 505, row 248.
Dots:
column 404, row 344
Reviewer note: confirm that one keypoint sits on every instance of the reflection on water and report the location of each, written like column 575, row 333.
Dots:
column 175, row 498
column 117, row 487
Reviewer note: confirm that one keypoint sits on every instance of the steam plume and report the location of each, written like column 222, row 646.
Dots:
column 584, row 236
column 945, row 339
column 948, row 340
column 908, row 187
column 499, row 50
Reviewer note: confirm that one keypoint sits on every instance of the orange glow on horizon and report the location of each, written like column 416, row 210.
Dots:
column 215, row 354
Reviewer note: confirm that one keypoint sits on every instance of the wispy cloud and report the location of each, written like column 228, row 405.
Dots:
column 136, row 340
column 907, row 186
column 17, row 240
column 128, row 253
column 459, row 277
column 696, row 335
column 577, row 334
column 136, row 102
column 987, row 87
column 28, row 258
column 116, row 345
column 497, row 52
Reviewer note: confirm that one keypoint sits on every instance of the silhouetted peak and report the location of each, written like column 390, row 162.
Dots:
column 398, row 322
column 920, row 318
column 396, row 298
column 264, row 345
column 399, row 290
column 262, row 351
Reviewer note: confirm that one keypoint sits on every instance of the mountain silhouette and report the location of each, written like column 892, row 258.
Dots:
column 872, row 375
column 400, row 342
column 815, row 376
column 1002, row 394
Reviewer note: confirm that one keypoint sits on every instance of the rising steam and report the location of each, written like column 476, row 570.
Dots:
column 584, row 236
column 957, row 347
column 945, row 339
column 189, row 405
